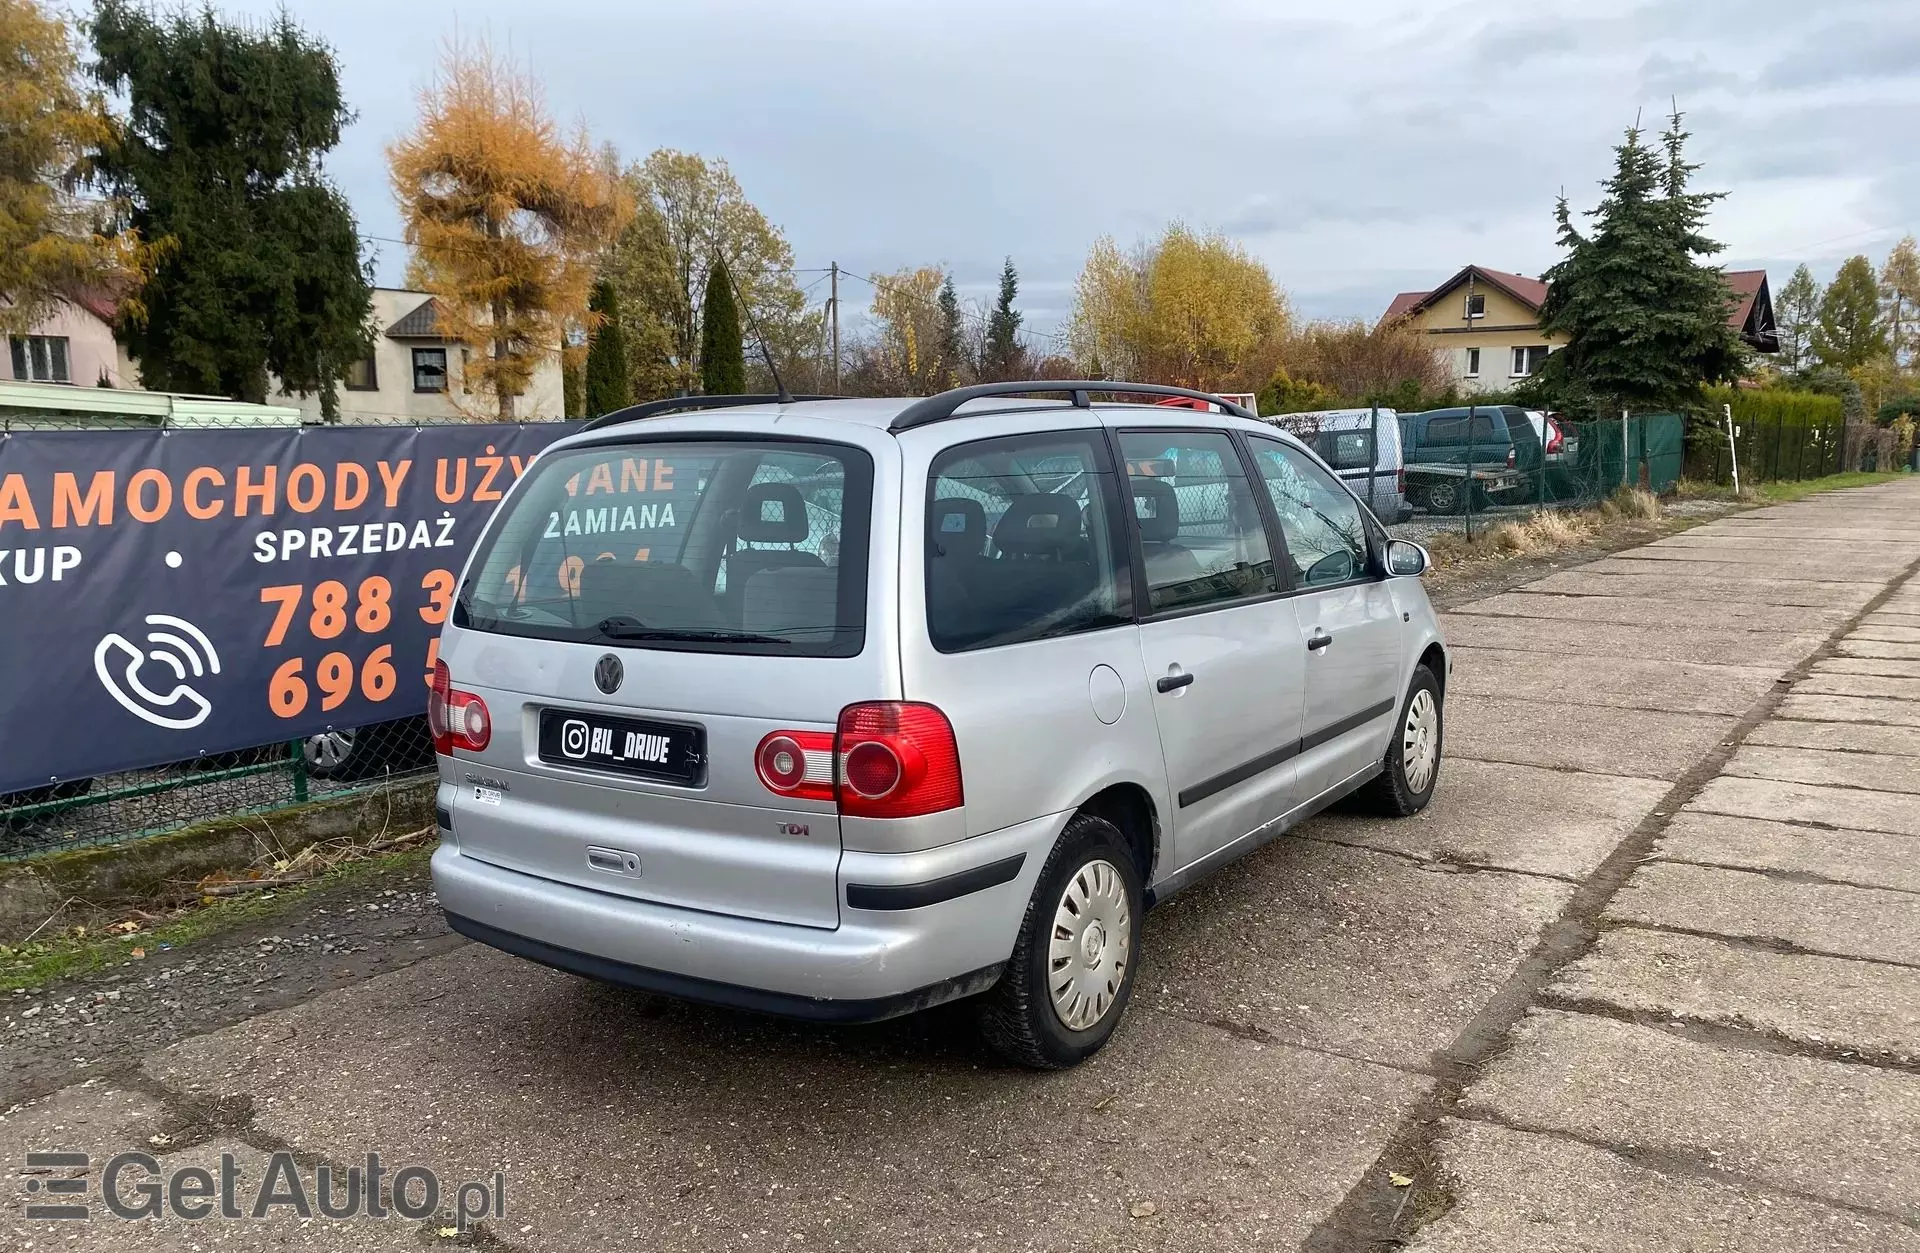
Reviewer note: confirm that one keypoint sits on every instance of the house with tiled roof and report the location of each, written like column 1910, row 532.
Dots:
column 413, row 372
column 1485, row 323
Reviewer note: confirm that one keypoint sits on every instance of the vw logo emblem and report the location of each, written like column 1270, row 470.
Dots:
column 607, row 674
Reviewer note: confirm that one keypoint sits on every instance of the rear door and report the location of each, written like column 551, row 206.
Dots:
column 1347, row 628
column 641, row 616
column 1216, row 635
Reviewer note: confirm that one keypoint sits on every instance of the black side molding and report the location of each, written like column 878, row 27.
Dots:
column 728, row 995
column 934, row 891
column 443, row 817
column 1279, row 756
column 1239, row 774
column 1335, row 730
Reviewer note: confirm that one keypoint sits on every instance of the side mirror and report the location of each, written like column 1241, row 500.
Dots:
column 1406, row 559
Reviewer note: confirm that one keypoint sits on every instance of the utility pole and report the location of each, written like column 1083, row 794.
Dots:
column 834, row 301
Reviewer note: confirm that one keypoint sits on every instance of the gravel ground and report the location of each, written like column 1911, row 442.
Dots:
column 335, row 937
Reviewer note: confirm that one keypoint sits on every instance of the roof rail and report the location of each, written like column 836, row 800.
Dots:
column 688, row 404
column 946, row 404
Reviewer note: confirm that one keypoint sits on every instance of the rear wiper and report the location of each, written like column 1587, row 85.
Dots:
column 628, row 629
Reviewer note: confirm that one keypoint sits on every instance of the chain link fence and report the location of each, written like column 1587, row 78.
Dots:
column 1462, row 469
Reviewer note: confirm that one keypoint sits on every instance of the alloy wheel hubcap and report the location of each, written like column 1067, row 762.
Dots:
column 328, row 749
column 1420, row 740
column 1091, row 944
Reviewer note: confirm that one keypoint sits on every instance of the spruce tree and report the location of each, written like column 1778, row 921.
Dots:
column 1003, row 326
column 608, row 384
column 723, row 362
column 219, row 157
column 950, row 336
column 1645, row 318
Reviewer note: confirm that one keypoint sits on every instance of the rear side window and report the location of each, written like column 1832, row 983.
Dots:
column 1019, row 542
column 750, row 545
column 1452, row 431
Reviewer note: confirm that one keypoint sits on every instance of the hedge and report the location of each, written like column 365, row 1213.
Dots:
column 1771, row 406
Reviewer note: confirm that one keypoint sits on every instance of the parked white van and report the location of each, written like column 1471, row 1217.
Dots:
column 1363, row 448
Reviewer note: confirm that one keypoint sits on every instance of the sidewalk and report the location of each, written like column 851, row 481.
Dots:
column 1734, row 1063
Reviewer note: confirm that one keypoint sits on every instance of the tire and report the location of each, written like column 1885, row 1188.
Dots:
column 1394, row 793
column 1446, row 497
column 1020, row 1017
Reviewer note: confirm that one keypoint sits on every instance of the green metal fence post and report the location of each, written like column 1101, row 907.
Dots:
column 299, row 771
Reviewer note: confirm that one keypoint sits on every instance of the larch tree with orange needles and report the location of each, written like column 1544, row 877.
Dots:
column 508, row 218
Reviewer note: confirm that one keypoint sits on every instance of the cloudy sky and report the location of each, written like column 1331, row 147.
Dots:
column 1359, row 148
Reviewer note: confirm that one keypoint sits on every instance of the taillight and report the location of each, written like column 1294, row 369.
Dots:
column 888, row 759
column 1400, row 480
column 1555, row 437
column 797, row 764
column 1513, row 456
column 456, row 719
column 897, row 759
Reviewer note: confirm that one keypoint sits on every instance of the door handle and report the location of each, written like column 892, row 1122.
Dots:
column 1172, row 682
column 1318, row 640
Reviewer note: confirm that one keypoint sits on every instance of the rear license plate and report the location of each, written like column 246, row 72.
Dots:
column 668, row 751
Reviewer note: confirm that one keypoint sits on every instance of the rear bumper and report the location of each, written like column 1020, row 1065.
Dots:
column 730, row 995
column 877, row 963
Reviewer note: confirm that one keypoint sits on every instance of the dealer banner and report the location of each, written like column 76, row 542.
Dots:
column 170, row 594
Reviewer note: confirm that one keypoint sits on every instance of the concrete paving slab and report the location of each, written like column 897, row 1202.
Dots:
column 1856, row 737
column 1807, row 532
column 1876, row 648
column 1678, row 587
column 1843, row 1132
column 1623, row 682
column 1854, row 808
column 1885, row 633
column 280, row 1230
column 1892, row 618
column 1868, row 858
column 623, row 1121
column 1821, row 1002
column 1859, row 685
column 1714, row 539
column 1890, row 667
column 1822, row 918
column 1520, row 1192
column 1582, row 737
column 1365, row 954
column 1896, row 713
column 1884, row 772
column 1557, row 822
column 1699, row 645
column 1788, row 619
column 1785, row 567
column 104, row 1118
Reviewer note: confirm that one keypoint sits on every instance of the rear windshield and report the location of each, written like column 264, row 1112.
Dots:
column 741, row 546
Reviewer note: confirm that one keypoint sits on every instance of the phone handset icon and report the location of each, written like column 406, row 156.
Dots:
column 177, row 644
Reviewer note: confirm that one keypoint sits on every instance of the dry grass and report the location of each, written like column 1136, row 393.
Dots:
column 1631, row 502
column 1546, row 531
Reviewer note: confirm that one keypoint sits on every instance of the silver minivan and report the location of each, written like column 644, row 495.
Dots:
column 840, row 709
